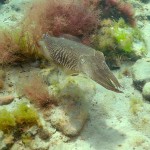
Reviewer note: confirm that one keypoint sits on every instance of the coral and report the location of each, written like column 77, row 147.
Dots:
column 37, row 92
column 7, row 120
column 59, row 17
column 117, row 8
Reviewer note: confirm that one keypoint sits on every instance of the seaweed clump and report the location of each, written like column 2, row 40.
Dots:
column 18, row 45
column 61, row 17
column 37, row 92
column 119, row 41
column 23, row 116
column 8, row 48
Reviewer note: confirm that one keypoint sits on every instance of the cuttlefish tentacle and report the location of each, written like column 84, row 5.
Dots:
column 79, row 58
column 99, row 71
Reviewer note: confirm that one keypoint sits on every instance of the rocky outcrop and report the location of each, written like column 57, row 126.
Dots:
column 141, row 73
column 71, row 113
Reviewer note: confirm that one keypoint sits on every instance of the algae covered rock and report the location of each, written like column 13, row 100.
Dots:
column 63, row 84
column 69, row 118
column 26, row 115
column 7, row 120
column 117, row 40
column 71, row 113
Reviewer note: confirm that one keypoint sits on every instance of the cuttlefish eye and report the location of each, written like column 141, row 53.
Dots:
column 44, row 36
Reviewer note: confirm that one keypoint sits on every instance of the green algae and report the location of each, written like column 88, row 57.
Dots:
column 21, row 117
column 117, row 38
column 7, row 120
column 25, row 114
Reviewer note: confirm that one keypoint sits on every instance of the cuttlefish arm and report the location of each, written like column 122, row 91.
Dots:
column 79, row 58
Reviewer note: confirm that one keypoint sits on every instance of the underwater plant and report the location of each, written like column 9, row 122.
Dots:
column 7, row 120
column 23, row 116
column 19, row 45
column 37, row 92
column 118, row 9
column 27, row 43
column 60, row 17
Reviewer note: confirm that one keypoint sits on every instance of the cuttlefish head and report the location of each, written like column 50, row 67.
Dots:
column 96, row 68
column 44, row 47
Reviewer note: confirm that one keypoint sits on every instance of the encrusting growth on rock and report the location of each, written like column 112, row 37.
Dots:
column 79, row 58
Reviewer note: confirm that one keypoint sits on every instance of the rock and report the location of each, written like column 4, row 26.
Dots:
column 44, row 134
column 62, row 84
column 146, row 91
column 139, row 49
column 69, row 119
column 71, row 113
column 20, row 146
column 5, row 100
column 141, row 73
column 38, row 144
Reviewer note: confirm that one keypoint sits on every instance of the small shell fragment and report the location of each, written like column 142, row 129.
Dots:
column 5, row 100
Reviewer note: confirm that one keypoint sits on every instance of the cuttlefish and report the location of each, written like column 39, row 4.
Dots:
column 80, row 59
